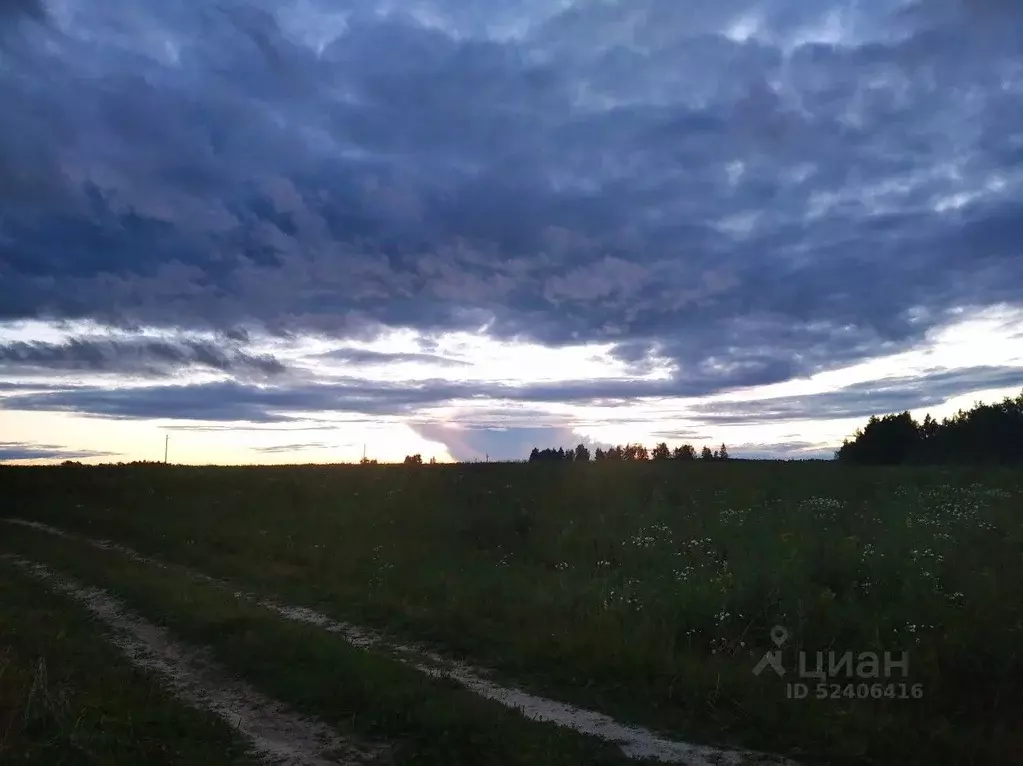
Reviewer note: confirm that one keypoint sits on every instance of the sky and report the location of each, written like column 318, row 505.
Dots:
column 295, row 231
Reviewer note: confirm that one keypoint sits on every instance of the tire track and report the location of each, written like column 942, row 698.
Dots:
column 635, row 742
column 274, row 734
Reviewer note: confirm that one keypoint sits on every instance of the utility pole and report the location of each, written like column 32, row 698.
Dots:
column 166, row 444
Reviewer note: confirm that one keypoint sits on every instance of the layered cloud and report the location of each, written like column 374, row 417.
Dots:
column 233, row 401
column 32, row 451
column 861, row 400
column 132, row 356
column 718, row 195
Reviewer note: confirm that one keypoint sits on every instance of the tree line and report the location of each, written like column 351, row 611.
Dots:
column 581, row 453
column 985, row 434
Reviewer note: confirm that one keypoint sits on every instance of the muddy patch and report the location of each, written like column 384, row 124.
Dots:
column 274, row 734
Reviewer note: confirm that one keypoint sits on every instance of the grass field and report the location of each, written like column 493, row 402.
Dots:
column 645, row 591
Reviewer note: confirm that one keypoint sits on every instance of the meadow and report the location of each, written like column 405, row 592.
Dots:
column 645, row 590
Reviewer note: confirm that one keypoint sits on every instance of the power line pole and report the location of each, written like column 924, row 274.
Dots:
column 166, row 444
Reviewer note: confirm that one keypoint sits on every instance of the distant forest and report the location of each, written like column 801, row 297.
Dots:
column 988, row 434
column 581, row 453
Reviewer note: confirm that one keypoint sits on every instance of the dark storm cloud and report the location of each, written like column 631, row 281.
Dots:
column 890, row 395
column 754, row 190
column 134, row 356
column 11, row 10
column 30, row 451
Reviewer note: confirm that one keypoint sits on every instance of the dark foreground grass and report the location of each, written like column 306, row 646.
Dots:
column 57, row 710
column 354, row 690
column 648, row 591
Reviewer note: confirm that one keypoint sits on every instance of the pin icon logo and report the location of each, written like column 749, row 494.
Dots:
column 779, row 635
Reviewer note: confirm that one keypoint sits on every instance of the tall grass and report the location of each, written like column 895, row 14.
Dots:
column 649, row 590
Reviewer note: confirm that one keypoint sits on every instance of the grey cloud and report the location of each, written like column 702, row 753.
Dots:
column 13, row 9
column 8, row 387
column 365, row 356
column 864, row 399
column 32, row 451
column 132, row 356
column 232, row 401
column 683, row 434
column 234, row 428
column 299, row 447
column 237, row 402
column 238, row 334
column 754, row 210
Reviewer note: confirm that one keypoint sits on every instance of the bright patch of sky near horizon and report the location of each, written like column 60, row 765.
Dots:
column 992, row 337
